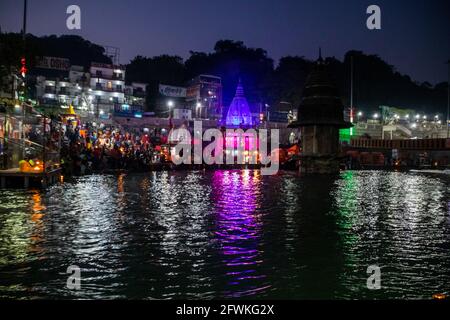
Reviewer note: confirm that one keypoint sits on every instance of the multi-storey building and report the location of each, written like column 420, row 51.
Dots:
column 107, row 86
column 70, row 89
column 134, row 101
column 97, row 94
column 204, row 97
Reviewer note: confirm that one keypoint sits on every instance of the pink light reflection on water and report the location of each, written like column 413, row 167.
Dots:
column 239, row 230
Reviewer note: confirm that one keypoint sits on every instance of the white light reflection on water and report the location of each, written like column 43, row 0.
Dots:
column 225, row 234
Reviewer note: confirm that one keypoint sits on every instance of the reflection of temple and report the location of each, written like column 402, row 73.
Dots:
column 239, row 232
column 239, row 111
column 320, row 116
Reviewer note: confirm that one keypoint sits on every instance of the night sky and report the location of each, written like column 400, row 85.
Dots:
column 415, row 35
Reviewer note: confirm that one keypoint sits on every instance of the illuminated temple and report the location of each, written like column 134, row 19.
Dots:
column 239, row 111
column 239, row 115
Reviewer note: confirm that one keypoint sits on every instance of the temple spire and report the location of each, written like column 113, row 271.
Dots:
column 320, row 55
column 239, row 113
column 239, row 89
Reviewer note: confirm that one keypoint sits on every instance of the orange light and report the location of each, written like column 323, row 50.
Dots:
column 439, row 296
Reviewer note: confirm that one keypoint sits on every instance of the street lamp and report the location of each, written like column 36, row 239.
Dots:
column 170, row 103
column 359, row 114
column 376, row 116
column 198, row 109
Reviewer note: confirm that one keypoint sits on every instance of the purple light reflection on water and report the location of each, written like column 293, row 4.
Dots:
column 239, row 226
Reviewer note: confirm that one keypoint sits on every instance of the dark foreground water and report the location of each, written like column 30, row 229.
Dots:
column 228, row 234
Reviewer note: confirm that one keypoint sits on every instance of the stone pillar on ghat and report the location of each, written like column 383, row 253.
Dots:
column 320, row 117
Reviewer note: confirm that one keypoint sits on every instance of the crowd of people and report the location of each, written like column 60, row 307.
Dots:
column 91, row 149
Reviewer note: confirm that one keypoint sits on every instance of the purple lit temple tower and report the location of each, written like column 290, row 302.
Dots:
column 320, row 116
column 239, row 111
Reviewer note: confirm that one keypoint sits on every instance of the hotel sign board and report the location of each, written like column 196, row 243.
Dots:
column 53, row 63
column 171, row 91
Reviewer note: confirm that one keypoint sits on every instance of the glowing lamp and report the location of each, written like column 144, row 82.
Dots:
column 23, row 69
column 439, row 296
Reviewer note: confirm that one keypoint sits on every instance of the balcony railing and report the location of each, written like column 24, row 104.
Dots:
column 102, row 88
column 108, row 77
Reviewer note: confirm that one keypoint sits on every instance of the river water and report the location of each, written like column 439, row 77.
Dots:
column 228, row 234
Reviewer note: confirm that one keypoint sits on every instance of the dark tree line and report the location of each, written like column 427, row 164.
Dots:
column 78, row 50
column 375, row 82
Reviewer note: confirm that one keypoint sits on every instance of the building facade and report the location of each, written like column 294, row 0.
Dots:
column 98, row 94
column 204, row 97
column 107, row 88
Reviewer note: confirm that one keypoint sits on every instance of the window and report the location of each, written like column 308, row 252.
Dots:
column 99, row 73
column 109, row 85
column 98, row 86
column 119, row 88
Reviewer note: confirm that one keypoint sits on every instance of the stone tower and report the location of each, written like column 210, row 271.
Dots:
column 320, row 116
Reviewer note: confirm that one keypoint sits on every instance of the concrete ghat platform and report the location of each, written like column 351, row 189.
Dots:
column 14, row 178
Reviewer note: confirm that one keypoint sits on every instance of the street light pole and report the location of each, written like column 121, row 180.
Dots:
column 24, row 28
column 351, row 94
